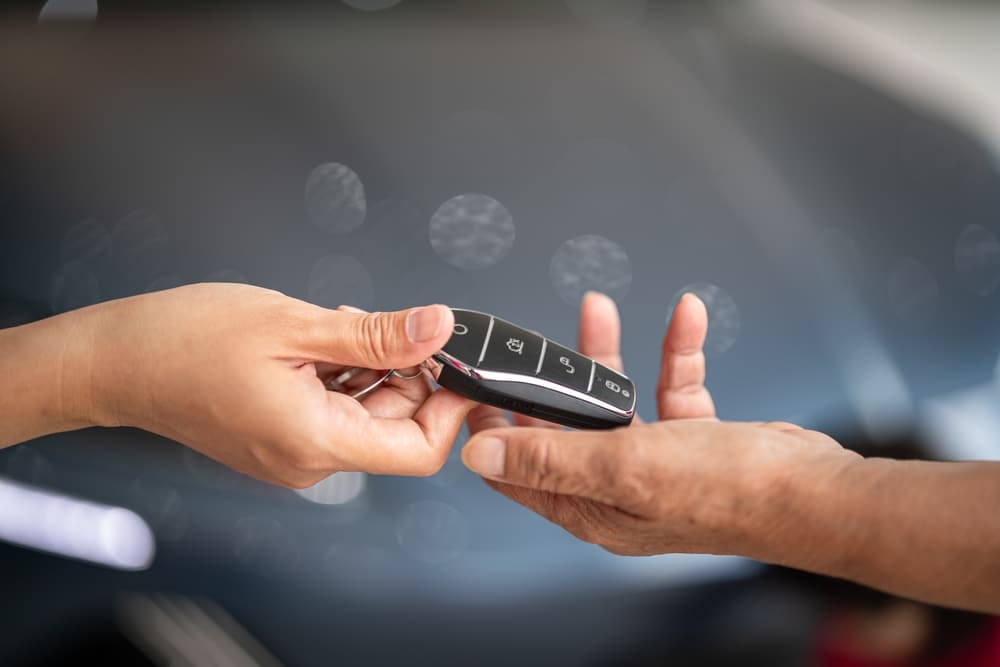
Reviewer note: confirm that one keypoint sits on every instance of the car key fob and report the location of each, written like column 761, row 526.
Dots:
column 498, row 363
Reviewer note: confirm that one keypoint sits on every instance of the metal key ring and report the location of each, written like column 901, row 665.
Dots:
column 337, row 383
column 413, row 376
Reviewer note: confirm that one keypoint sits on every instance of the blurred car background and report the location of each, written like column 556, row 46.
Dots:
column 823, row 174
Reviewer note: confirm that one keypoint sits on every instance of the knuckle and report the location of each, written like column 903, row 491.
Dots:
column 429, row 466
column 300, row 481
column 295, row 456
column 291, row 477
column 375, row 337
column 632, row 472
column 536, row 464
column 305, row 459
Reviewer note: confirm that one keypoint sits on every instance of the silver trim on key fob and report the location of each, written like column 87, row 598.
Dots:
column 501, row 376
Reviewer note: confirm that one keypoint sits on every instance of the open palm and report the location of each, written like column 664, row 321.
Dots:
column 680, row 391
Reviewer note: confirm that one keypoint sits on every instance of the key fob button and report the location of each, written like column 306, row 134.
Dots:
column 564, row 366
column 612, row 387
column 512, row 349
column 498, row 363
column 466, row 342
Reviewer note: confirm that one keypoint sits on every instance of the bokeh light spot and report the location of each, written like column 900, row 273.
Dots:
column 27, row 465
column 913, row 292
column 335, row 198
column 87, row 242
column 337, row 489
column 73, row 286
column 723, row 316
column 588, row 263
column 365, row 571
column 126, row 539
column 207, row 471
column 140, row 244
column 337, row 280
column 161, row 505
column 432, row 531
column 977, row 259
column 472, row 231
column 261, row 542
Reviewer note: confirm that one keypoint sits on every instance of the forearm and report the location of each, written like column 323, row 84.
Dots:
column 921, row 530
column 47, row 369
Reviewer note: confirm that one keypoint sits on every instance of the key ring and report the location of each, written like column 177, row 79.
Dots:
column 338, row 382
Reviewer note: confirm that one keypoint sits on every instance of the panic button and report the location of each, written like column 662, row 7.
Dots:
column 512, row 349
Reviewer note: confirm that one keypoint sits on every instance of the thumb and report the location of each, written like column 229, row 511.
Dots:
column 384, row 340
column 576, row 463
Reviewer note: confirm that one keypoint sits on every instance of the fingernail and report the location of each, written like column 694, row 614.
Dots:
column 601, row 296
column 424, row 324
column 691, row 296
column 485, row 456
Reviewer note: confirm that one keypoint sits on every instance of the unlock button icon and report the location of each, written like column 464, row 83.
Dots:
column 565, row 367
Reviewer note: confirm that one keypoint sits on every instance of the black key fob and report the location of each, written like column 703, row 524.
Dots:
column 498, row 363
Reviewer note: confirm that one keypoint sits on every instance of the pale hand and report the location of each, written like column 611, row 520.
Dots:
column 237, row 373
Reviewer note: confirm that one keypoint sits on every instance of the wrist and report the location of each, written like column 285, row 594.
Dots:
column 115, row 389
column 95, row 349
column 804, row 518
column 46, row 379
column 79, row 387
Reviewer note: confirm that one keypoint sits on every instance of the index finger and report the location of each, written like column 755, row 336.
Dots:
column 680, row 391
column 601, row 330
column 415, row 446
